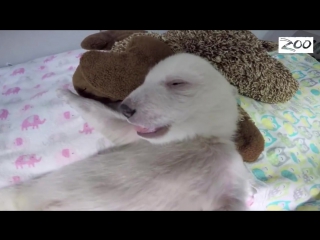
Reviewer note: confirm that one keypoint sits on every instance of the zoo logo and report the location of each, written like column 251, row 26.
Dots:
column 296, row 44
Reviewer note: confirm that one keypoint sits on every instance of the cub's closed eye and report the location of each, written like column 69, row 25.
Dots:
column 176, row 83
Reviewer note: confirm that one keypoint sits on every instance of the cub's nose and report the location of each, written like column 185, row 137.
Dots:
column 126, row 110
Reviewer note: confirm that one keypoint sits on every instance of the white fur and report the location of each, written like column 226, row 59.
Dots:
column 194, row 166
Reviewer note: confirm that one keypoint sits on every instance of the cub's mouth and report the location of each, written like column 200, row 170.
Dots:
column 151, row 132
column 143, row 132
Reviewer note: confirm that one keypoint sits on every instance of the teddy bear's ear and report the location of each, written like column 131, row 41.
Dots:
column 98, row 41
column 105, row 40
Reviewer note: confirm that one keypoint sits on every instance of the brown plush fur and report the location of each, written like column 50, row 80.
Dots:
column 109, row 77
column 239, row 55
column 105, row 40
column 250, row 142
column 126, row 68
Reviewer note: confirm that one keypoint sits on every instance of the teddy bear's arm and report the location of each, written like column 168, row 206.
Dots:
column 106, row 39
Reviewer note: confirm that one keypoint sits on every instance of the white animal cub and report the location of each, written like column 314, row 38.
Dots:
column 173, row 149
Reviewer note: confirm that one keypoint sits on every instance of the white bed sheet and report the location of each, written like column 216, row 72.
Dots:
column 38, row 132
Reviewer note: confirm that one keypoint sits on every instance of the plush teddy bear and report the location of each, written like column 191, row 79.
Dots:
column 108, row 77
column 238, row 54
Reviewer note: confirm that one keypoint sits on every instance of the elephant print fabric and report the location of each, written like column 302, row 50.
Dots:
column 38, row 132
column 290, row 163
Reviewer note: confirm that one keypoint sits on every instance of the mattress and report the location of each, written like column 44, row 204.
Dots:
column 39, row 133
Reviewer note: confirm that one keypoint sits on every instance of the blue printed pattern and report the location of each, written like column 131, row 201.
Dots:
column 290, row 164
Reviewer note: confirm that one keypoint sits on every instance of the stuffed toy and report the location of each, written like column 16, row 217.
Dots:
column 110, row 76
column 238, row 54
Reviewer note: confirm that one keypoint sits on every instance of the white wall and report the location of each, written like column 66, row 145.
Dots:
column 316, row 32
column 260, row 33
column 17, row 46
column 24, row 45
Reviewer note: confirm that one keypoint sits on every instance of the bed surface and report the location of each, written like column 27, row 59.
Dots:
column 290, row 164
column 39, row 133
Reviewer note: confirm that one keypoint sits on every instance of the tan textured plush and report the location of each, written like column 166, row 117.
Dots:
column 105, row 40
column 239, row 55
column 109, row 77
column 116, row 74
